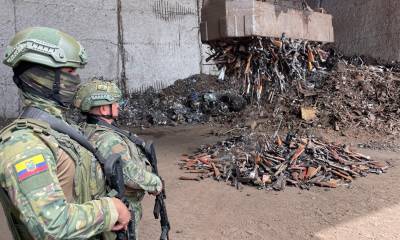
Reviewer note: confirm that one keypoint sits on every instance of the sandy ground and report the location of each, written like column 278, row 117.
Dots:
column 370, row 209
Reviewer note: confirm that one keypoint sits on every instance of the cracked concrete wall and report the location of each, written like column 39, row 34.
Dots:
column 92, row 22
column 160, row 39
column 366, row 27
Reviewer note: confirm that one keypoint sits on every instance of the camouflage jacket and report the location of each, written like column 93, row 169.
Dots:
column 51, row 195
column 137, row 177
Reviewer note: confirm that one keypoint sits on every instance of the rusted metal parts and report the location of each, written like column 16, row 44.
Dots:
column 272, row 163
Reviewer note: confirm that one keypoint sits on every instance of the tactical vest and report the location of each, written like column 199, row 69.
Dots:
column 89, row 182
column 90, row 129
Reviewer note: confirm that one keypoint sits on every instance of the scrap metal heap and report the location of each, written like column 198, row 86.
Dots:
column 311, row 84
column 263, row 65
column 271, row 163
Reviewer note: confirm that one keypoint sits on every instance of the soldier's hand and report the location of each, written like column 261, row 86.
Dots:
column 158, row 191
column 124, row 216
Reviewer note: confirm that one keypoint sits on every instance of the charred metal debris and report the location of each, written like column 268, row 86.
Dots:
column 273, row 163
column 196, row 99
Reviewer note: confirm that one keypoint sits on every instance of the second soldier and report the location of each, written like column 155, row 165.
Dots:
column 100, row 102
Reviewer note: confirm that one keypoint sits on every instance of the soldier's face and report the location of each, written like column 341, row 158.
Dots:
column 107, row 110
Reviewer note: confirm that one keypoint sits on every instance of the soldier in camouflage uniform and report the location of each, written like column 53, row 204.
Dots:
column 99, row 101
column 51, row 187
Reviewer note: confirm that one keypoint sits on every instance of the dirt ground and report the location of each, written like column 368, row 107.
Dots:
column 369, row 209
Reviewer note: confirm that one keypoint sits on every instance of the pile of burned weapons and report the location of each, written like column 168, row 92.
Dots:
column 272, row 163
column 266, row 65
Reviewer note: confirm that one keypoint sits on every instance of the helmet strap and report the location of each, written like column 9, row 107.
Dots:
column 111, row 111
column 56, row 84
column 95, row 118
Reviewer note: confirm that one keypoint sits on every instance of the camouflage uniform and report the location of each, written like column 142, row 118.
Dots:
column 138, row 178
column 49, row 178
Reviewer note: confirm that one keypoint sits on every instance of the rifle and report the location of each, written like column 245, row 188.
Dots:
column 160, row 209
column 115, row 180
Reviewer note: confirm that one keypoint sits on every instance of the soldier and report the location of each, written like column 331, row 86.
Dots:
column 99, row 101
column 51, row 187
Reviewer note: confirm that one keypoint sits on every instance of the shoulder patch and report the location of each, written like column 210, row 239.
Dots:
column 30, row 167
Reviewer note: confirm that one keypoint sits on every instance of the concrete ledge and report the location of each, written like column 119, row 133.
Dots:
column 243, row 18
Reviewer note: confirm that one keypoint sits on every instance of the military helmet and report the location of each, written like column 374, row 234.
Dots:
column 45, row 46
column 96, row 93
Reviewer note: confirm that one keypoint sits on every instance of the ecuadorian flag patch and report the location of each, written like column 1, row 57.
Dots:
column 30, row 167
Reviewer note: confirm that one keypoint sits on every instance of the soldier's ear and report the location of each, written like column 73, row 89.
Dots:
column 103, row 110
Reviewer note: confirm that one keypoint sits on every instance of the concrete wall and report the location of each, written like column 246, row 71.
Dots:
column 161, row 41
column 158, row 41
column 366, row 27
column 8, row 92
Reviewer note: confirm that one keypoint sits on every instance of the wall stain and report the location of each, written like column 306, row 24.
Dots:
column 15, row 15
column 199, row 6
column 157, row 48
column 122, row 80
column 168, row 11
column 156, row 86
